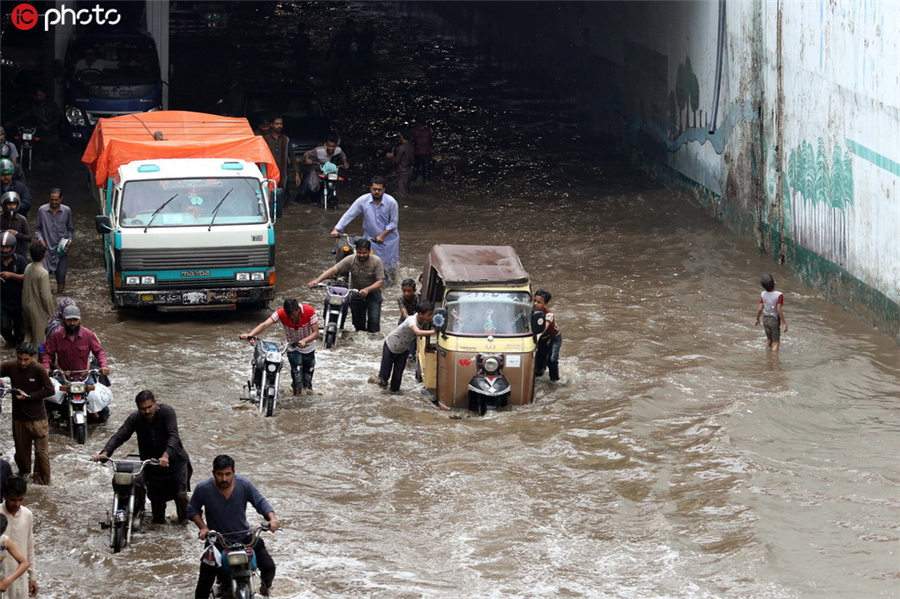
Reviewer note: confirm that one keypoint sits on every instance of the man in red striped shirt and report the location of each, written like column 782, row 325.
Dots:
column 301, row 330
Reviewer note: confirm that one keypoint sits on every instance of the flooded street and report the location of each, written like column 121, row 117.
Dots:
column 678, row 458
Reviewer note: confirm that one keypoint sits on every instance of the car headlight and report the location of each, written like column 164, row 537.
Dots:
column 258, row 276
column 242, row 276
column 132, row 280
column 148, row 280
column 491, row 365
column 75, row 116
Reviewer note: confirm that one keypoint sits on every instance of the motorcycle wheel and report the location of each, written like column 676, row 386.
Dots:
column 269, row 398
column 118, row 541
column 268, row 404
column 242, row 590
column 79, row 433
column 330, row 338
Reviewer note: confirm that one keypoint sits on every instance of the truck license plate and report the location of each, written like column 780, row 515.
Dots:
column 194, row 297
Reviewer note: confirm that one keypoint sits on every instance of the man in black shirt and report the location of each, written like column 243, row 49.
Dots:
column 12, row 273
column 157, row 432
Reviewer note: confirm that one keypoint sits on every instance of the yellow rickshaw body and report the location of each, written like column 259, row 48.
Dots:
column 447, row 361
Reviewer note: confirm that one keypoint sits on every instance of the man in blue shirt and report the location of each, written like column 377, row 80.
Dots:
column 223, row 500
column 380, row 219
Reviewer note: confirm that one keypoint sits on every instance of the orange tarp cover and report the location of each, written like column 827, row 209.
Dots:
column 123, row 139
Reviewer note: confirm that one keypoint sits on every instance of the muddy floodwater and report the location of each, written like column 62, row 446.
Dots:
column 678, row 458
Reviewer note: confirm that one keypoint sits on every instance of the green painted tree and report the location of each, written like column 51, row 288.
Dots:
column 822, row 174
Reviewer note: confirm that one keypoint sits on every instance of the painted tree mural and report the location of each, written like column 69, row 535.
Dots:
column 821, row 194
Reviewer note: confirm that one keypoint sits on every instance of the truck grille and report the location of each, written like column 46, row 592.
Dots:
column 195, row 258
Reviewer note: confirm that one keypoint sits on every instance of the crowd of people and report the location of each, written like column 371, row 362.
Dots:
column 409, row 159
column 49, row 338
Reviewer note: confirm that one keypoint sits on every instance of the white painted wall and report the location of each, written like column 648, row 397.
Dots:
column 841, row 65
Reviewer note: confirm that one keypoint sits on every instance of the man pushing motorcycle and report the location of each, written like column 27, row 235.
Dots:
column 156, row 426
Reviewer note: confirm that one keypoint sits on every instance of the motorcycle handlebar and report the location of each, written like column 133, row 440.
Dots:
column 214, row 536
column 66, row 373
column 106, row 460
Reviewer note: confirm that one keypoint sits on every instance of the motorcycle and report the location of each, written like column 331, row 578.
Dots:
column 236, row 560
column 265, row 374
column 28, row 137
column 489, row 388
column 74, row 409
column 337, row 294
column 334, row 314
column 122, row 518
column 328, row 174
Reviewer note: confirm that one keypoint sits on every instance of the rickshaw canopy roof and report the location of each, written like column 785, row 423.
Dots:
column 123, row 139
column 478, row 264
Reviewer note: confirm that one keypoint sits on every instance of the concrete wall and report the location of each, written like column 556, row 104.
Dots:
column 805, row 152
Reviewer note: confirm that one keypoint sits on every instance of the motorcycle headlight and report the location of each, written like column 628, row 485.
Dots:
column 76, row 388
column 75, row 116
column 258, row 276
column 242, row 276
column 148, row 280
column 491, row 365
column 273, row 356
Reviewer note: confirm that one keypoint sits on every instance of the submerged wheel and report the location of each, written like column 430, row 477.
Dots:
column 418, row 372
column 330, row 338
column 79, row 432
column 269, row 401
column 118, row 540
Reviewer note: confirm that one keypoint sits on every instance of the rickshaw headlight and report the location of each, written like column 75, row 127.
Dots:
column 491, row 365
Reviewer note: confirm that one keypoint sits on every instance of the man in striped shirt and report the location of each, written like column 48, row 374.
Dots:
column 301, row 330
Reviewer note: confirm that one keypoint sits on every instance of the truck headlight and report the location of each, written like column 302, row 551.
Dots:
column 258, row 276
column 148, row 280
column 75, row 116
column 242, row 276
column 131, row 280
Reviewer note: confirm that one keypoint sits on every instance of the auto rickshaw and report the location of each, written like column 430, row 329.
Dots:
column 483, row 354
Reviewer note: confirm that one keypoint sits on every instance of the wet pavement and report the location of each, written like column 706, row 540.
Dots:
column 678, row 458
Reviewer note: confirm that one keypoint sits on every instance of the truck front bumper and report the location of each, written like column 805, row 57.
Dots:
column 198, row 299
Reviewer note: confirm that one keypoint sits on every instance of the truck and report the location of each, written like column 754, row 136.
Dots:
column 109, row 73
column 186, row 216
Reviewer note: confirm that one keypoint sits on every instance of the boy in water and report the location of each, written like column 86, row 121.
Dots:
column 771, row 308
column 550, row 341
column 396, row 346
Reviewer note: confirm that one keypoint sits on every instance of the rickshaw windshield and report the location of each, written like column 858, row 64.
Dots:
column 498, row 313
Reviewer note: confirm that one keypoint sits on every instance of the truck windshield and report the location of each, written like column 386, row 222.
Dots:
column 478, row 313
column 219, row 201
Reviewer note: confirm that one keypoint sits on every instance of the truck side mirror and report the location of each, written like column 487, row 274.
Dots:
column 439, row 320
column 103, row 224
column 537, row 322
column 274, row 208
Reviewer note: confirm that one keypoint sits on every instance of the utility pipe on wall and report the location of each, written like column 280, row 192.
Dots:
column 720, row 51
